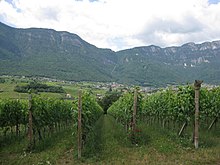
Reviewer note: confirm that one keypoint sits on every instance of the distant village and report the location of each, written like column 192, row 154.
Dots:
column 105, row 86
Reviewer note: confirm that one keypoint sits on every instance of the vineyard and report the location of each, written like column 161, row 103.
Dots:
column 172, row 109
column 134, row 120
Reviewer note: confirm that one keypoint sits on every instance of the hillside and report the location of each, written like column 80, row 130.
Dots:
column 45, row 52
column 152, row 64
column 62, row 55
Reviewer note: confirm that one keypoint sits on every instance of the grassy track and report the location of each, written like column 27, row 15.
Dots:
column 108, row 137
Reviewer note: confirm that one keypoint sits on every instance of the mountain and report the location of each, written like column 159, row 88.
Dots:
column 62, row 55
column 45, row 52
column 173, row 65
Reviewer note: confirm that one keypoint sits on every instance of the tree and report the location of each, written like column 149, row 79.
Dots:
column 109, row 98
column 2, row 80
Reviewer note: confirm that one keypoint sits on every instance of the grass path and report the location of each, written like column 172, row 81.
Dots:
column 104, row 145
column 107, row 139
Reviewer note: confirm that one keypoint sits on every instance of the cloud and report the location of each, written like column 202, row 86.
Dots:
column 48, row 13
column 170, row 31
column 120, row 24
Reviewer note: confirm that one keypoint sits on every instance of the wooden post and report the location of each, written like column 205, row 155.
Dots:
column 213, row 122
column 182, row 128
column 80, row 125
column 30, row 122
column 197, row 86
column 135, row 111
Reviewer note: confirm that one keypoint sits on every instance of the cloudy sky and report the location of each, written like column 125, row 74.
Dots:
column 120, row 24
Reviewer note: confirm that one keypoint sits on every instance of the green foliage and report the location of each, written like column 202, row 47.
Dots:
column 109, row 98
column 179, row 106
column 210, row 103
column 12, row 113
column 38, row 87
column 91, row 111
column 48, row 112
column 122, row 109
column 169, row 107
column 49, row 115
column 2, row 80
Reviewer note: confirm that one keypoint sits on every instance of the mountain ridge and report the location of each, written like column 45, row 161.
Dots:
column 64, row 55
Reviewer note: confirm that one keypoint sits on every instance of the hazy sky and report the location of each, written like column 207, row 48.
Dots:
column 120, row 24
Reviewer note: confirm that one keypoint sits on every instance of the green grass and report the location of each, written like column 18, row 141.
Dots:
column 9, row 93
column 46, row 152
column 72, row 90
column 53, row 95
column 106, row 137
column 108, row 143
column 7, row 89
column 171, row 149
